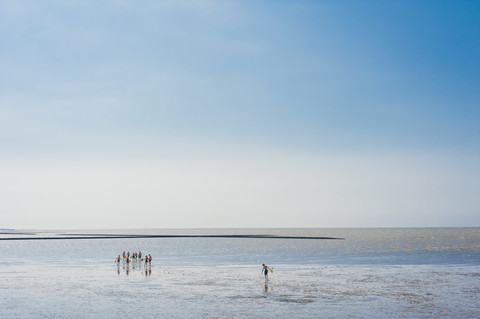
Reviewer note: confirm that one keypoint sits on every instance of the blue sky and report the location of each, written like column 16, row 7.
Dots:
column 212, row 113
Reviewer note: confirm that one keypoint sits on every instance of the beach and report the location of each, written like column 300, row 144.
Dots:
column 372, row 273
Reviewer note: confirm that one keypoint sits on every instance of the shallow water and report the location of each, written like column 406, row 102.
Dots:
column 374, row 273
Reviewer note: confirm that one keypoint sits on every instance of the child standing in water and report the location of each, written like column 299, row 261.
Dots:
column 148, row 260
column 265, row 270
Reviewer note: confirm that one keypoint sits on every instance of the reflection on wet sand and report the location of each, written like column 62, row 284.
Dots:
column 267, row 289
column 130, row 267
column 148, row 272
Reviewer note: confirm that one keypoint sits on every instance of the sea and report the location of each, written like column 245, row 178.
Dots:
column 364, row 273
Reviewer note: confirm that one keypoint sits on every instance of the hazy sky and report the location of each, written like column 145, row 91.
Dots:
column 117, row 114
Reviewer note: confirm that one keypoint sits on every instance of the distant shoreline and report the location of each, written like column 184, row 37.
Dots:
column 106, row 236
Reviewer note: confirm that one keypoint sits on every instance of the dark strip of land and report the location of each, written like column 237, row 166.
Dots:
column 97, row 236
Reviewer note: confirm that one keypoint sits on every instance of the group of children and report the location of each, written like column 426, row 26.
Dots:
column 134, row 257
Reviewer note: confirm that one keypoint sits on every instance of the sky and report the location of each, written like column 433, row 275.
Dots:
column 186, row 114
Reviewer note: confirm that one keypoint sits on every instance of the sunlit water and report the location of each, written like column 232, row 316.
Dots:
column 373, row 273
